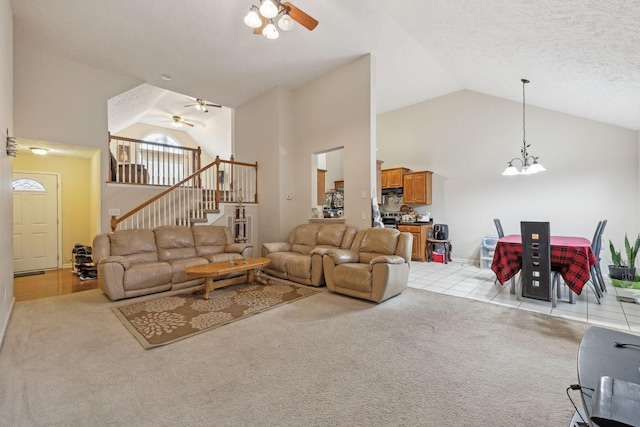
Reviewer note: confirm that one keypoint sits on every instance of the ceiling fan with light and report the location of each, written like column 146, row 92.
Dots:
column 261, row 19
column 178, row 121
column 201, row 105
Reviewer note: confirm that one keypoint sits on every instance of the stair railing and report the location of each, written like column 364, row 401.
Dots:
column 190, row 200
column 134, row 161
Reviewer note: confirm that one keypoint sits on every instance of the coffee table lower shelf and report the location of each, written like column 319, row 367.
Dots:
column 219, row 269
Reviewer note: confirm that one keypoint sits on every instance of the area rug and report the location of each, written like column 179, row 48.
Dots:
column 169, row 319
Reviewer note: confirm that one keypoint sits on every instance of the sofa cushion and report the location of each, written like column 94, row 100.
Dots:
column 174, row 242
column 211, row 240
column 353, row 276
column 331, row 235
column 178, row 266
column 379, row 241
column 304, row 235
column 138, row 245
column 147, row 275
column 302, row 249
column 299, row 265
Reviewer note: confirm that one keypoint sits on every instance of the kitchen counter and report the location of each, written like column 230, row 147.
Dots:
column 420, row 232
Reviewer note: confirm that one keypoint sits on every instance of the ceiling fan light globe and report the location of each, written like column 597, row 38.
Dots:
column 270, row 31
column 286, row 23
column 268, row 9
column 252, row 19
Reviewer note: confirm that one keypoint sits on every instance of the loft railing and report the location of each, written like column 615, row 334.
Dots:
column 133, row 161
column 190, row 200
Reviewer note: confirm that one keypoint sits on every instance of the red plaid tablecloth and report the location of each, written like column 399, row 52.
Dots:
column 571, row 256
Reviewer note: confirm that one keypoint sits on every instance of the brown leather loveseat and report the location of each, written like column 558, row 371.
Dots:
column 300, row 258
column 138, row 262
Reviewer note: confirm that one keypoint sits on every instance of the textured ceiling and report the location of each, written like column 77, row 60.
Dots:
column 581, row 56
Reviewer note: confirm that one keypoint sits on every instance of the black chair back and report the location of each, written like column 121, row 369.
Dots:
column 596, row 251
column 536, row 260
column 496, row 221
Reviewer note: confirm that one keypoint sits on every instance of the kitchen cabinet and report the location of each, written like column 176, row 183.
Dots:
column 420, row 233
column 392, row 178
column 417, row 188
column 338, row 184
column 322, row 173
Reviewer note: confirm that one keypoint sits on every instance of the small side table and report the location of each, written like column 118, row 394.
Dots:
column 432, row 244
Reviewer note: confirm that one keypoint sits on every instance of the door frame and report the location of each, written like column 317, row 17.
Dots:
column 58, row 202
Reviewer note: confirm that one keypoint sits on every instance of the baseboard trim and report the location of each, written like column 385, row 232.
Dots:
column 6, row 322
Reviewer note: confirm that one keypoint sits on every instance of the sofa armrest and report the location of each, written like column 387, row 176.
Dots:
column 268, row 248
column 342, row 256
column 387, row 259
column 124, row 261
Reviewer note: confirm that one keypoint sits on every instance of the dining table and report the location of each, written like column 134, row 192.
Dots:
column 571, row 256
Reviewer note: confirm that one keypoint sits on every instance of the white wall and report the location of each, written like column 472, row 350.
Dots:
column 64, row 101
column 331, row 112
column 466, row 138
column 283, row 129
column 6, row 197
column 263, row 132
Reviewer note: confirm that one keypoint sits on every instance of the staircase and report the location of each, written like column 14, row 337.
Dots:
column 196, row 198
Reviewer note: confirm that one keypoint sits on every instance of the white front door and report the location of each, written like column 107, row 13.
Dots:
column 35, row 221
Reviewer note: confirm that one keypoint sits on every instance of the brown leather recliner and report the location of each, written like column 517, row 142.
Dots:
column 376, row 267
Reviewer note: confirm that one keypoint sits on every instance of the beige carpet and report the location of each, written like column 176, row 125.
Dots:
column 418, row 359
column 164, row 320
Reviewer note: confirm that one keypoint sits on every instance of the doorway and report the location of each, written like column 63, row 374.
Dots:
column 36, row 228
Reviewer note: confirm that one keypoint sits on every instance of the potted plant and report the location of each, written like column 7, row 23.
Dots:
column 619, row 269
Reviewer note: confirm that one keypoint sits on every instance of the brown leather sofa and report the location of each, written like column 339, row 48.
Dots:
column 300, row 258
column 375, row 268
column 138, row 262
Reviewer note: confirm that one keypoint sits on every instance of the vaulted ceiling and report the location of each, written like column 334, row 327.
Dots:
column 582, row 56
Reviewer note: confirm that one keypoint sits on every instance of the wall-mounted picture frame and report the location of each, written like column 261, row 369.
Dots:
column 123, row 154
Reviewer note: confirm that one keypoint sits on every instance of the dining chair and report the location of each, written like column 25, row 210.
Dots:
column 596, row 246
column 496, row 221
column 537, row 280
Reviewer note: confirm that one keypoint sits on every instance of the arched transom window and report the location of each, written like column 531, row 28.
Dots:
column 26, row 184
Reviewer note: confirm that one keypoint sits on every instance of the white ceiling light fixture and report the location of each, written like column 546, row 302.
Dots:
column 263, row 19
column 286, row 23
column 39, row 151
column 529, row 163
column 270, row 31
column 269, row 9
column 253, row 19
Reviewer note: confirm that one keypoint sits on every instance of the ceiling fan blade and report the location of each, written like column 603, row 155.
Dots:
column 213, row 105
column 300, row 17
column 187, row 123
column 191, row 105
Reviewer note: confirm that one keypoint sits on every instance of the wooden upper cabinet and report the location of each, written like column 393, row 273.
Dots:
column 417, row 188
column 392, row 178
column 321, row 190
column 338, row 184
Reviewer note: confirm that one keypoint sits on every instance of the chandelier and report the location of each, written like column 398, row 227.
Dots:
column 529, row 163
column 263, row 19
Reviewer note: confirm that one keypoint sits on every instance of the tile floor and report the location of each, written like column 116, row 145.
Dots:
column 469, row 281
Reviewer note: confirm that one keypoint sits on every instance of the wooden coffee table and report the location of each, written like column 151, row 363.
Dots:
column 216, row 269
